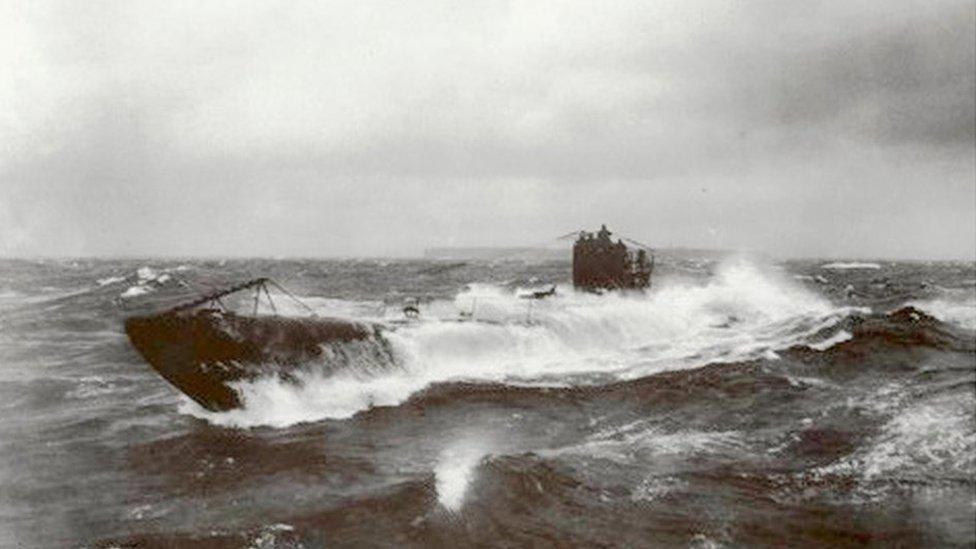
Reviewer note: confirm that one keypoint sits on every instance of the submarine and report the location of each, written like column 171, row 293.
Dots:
column 600, row 264
column 203, row 347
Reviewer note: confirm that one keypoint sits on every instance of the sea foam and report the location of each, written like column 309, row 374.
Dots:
column 959, row 310
column 852, row 265
column 455, row 470
column 743, row 312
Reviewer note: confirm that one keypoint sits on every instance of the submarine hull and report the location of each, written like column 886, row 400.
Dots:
column 203, row 351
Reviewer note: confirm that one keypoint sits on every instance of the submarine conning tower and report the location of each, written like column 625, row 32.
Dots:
column 599, row 263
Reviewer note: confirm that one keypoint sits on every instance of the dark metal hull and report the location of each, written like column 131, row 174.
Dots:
column 601, row 264
column 201, row 351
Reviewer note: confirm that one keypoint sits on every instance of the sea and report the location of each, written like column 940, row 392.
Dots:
column 739, row 402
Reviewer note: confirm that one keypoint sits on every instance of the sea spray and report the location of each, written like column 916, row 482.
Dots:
column 873, row 437
column 743, row 312
column 957, row 307
column 456, row 468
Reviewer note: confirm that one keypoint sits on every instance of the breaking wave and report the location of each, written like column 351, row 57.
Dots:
column 933, row 437
column 933, row 440
column 851, row 265
column 960, row 311
column 574, row 338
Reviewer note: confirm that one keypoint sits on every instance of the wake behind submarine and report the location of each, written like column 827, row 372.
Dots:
column 202, row 347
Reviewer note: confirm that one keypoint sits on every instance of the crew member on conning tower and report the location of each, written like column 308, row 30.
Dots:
column 599, row 263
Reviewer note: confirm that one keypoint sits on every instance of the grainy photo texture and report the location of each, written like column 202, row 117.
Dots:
column 655, row 273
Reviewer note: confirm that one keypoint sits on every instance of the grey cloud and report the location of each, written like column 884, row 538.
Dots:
column 266, row 131
column 910, row 83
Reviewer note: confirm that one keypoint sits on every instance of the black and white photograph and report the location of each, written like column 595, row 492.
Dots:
column 496, row 274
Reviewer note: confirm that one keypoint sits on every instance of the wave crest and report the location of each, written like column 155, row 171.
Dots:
column 743, row 312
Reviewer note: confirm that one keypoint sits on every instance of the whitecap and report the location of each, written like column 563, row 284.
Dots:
column 960, row 311
column 146, row 274
column 839, row 337
column 851, row 265
column 570, row 338
column 134, row 291
column 938, row 436
column 110, row 280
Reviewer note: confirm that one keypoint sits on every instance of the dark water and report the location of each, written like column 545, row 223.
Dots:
column 736, row 404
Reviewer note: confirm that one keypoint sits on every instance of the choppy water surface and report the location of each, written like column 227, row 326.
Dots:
column 736, row 403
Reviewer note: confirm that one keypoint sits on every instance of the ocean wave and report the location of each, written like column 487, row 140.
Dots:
column 92, row 386
column 960, row 311
column 655, row 487
column 110, row 280
column 884, row 338
column 839, row 337
column 630, row 444
column 10, row 298
column 135, row 291
column 933, row 440
column 933, row 437
column 850, row 265
column 577, row 338
column 147, row 280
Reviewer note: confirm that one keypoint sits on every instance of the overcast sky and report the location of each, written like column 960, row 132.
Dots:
column 798, row 128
